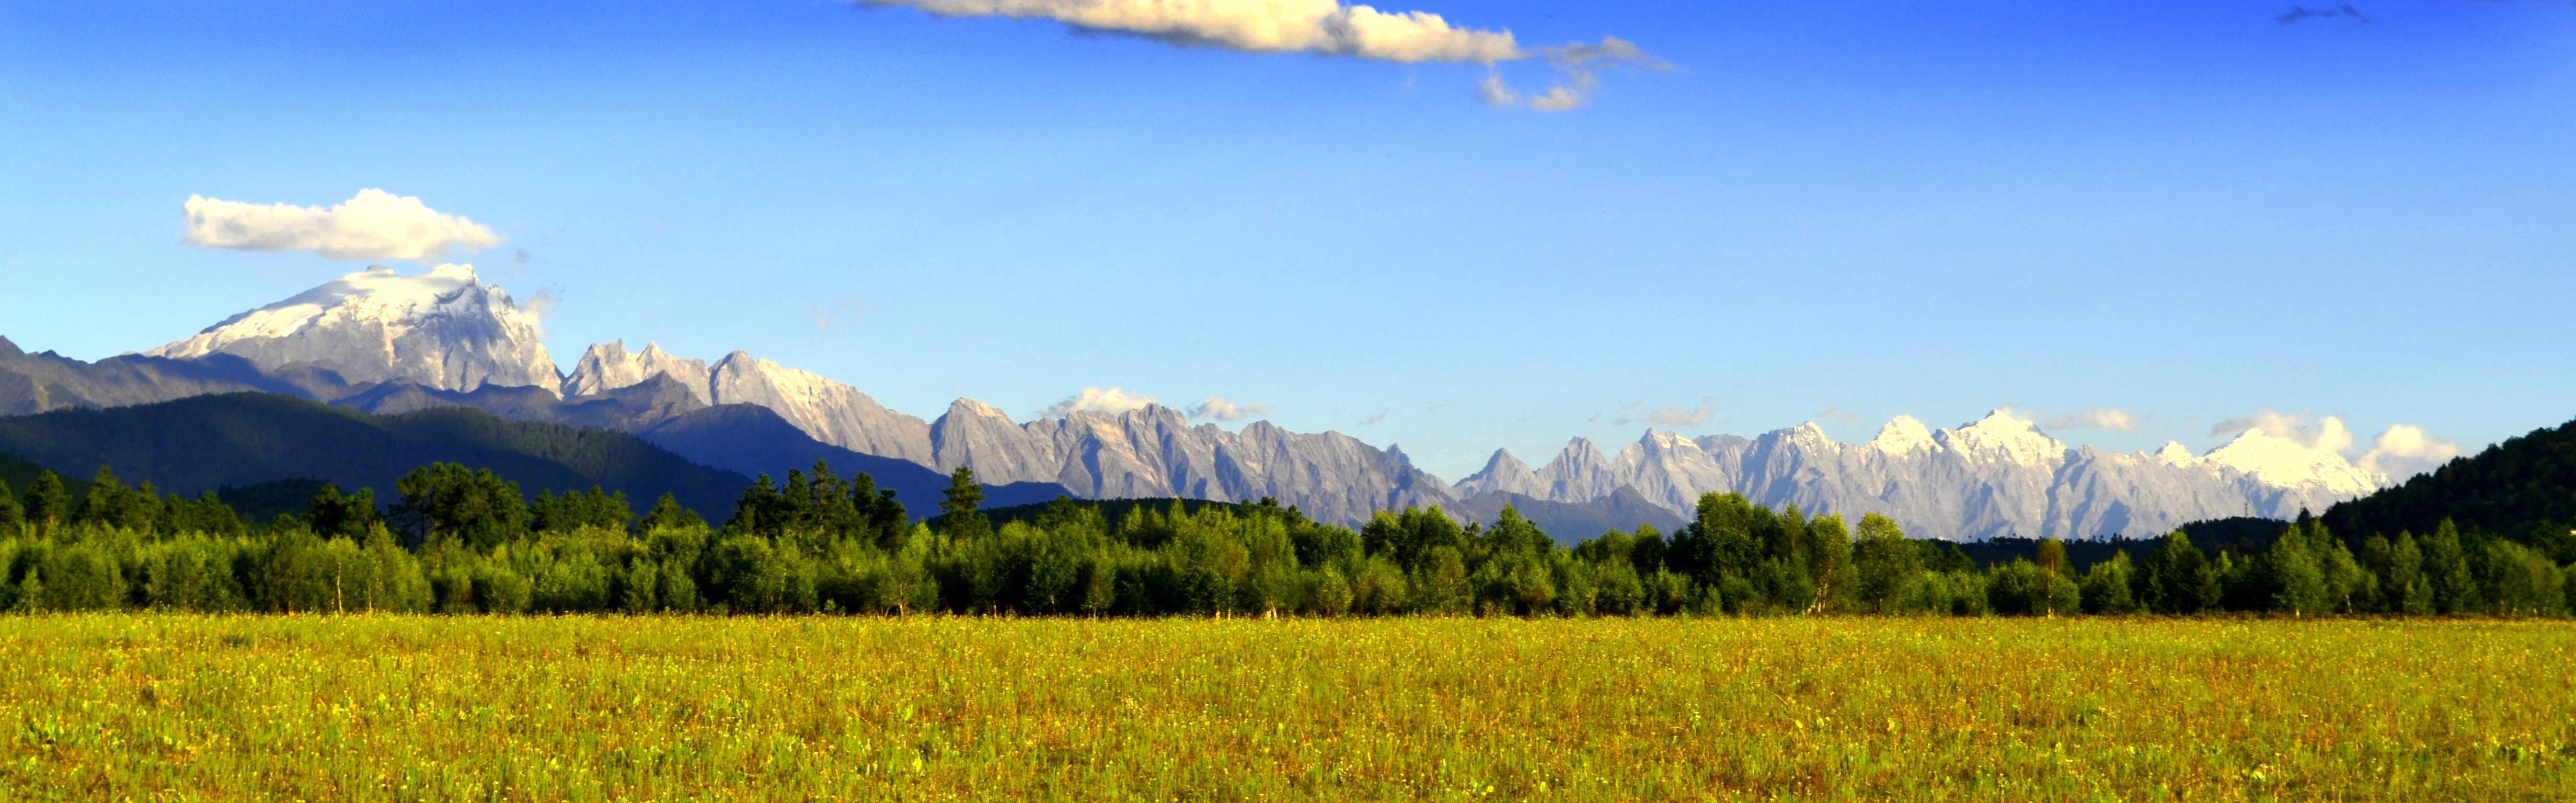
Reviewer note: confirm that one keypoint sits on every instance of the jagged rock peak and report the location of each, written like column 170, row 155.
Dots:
column 1903, row 435
column 976, row 409
column 1580, row 453
column 443, row 328
column 608, row 366
column 1808, row 432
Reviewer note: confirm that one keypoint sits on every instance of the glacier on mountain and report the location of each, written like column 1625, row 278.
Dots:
column 443, row 329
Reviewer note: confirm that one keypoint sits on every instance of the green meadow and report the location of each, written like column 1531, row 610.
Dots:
column 127, row 706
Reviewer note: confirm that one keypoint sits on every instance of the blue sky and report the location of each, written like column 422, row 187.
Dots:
column 2189, row 212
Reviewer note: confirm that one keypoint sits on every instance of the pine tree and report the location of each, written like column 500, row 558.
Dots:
column 668, row 513
column 47, row 502
column 2175, row 574
column 961, row 507
column 10, row 514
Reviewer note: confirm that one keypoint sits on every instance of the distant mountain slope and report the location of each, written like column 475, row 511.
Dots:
column 198, row 444
column 751, row 439
column 20, row 472
column 828, row 411
column 36, row 383
column 1572, row 522
column 1155, row 452
column 2510, row 489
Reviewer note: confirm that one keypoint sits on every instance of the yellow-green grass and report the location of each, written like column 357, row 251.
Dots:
column 155, row 707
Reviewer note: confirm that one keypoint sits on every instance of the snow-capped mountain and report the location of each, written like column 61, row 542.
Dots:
column 1998, row 476
column 443, row 329
column 379, row 338
column 2282, row 462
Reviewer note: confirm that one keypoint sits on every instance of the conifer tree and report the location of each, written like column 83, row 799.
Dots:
column 961, row 507
column 47, row 502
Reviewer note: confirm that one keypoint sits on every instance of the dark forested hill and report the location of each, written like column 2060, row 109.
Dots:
column 751, row 439
column 2515, row 489
column 202, row 443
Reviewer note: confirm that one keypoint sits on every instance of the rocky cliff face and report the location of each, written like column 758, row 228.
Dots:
column 443, row 329
column 609, row 366
column 825, row 410
column 1155, row 452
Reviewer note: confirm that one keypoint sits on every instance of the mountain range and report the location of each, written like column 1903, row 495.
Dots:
column 381, row 342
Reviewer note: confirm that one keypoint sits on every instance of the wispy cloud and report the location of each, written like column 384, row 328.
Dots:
column 1113, row 401
column 1319, row 27
column 1578, row 69
column 2110, row 418
column 2328, row 433
column 2298, row 14
column 825, row 316
column 374, row 224
column 1671, row 415
column 1376, row 419
column 542, row 303
column 1837, row 414
column 1215, row 408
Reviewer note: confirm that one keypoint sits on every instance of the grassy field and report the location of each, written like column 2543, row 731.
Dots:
column 148, row 707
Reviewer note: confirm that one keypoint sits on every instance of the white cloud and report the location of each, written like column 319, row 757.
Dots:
column 2110, row 418
column 1324, row 27
column 1113, row 401
column 374, row 224
column 2400, row 451
column 1226, row 410
column 1321, row 27
column 2404, row 451
column 1837, row 414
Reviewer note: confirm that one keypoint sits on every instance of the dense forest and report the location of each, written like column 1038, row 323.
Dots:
column 458, row 540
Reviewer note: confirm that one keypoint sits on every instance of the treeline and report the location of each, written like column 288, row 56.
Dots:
column 463, row 541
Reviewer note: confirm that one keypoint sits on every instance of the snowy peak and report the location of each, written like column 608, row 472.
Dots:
column 444, row 329
column 2175, row 454
column 1658, row 443
column 2005, row 438
column 2286, row 463
column 1807, row 434
column 1903, row 435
